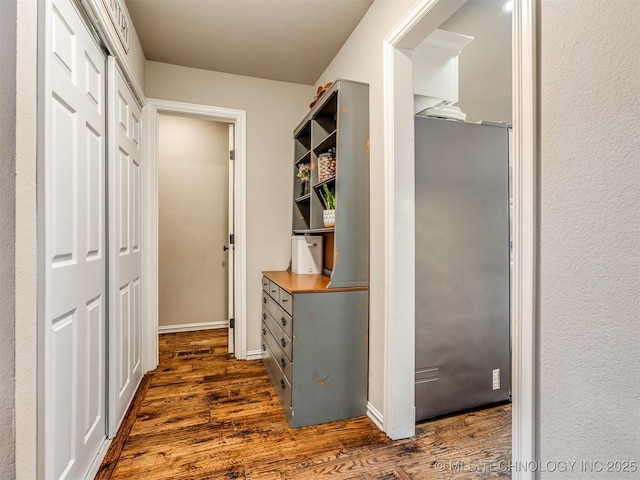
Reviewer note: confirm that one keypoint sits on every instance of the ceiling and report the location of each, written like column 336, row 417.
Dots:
column 286, row 40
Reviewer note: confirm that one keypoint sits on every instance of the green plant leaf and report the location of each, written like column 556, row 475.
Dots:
column 328, row 198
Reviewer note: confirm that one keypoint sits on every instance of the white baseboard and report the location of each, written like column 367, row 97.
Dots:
column 375, row 416
column 192, row 327
column 254, row 355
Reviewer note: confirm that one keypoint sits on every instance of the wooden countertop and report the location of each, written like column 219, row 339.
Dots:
column 307, row 283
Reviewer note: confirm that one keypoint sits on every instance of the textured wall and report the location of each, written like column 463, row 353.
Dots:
column 26, row 239
column 7, row 236
column 273, row 109
column 589, row 264
column 193, row 185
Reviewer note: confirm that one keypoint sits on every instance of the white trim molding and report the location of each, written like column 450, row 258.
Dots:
column 253, row 355
column 238, row 118
column 399, row 348
column 524, row 293
column 375, row 416
column 398, row 418
column 192, row 327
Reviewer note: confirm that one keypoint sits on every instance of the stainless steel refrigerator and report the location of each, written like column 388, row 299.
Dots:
column 462, row 266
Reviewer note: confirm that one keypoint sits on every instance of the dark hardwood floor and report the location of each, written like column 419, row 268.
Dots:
column 204, row 415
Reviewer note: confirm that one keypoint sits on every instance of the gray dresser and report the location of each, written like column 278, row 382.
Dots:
column 315, row 346
column 315, row 327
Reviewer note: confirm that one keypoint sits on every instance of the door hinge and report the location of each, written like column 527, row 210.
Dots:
column 232, row 323
column 232, row 239
column 232, row 154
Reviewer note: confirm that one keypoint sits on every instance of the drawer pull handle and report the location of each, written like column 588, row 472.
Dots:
column 274, row 291
column 264, row 348
column 264, row 316
column 283, row 342
column 264, row 300
column 283, row 363
column 284, row 300
column 284, row 321
column 264, row 331
column 282, row 384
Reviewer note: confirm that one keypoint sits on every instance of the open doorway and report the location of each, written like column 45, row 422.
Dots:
column 463, row 114
column 425, row 17
column 193, row 216
column 235, row 122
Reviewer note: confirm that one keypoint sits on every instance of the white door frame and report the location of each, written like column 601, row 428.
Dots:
column 231, row 307
column 399, row 411
column 238, row 118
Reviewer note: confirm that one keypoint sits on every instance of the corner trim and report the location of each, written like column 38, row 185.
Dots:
column 524, row 290
column 375, row 416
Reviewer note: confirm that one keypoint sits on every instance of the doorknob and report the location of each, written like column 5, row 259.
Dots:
column 225, row 248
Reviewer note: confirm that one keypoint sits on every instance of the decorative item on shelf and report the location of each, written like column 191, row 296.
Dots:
column 329, row 218
column 329, row 212
column 304, row 172
column 319, row 93
column 327, row 165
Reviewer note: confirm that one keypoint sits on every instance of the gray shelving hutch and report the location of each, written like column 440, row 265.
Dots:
column 339, row 120
column 315, row 327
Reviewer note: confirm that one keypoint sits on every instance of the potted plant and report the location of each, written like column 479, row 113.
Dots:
column 329, row 200
column 304, row 173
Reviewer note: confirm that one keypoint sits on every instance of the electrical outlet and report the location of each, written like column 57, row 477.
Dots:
column 496, row 379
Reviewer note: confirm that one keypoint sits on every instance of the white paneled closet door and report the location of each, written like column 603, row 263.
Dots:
column 125, row 259
column 74, row 245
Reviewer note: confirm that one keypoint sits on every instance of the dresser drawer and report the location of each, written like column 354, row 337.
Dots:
column 286, row 301
column 278, row 313
column 273, row 324
column 270, row 304
column 280, row 382
column 285, row 322
column 274, row 291
column 284, row 343
column 282, row 318
column 282, row 339
column 265, row 284
column 275, row 351
column 283, row 389
column 266, row 353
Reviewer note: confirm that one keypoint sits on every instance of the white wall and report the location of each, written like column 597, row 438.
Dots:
column 484, row 66
column 135, row 58
column 589, row 265
column 273, row 109
column 193, row 186
column 26, row 239
column 360, row 59
column 7, row 237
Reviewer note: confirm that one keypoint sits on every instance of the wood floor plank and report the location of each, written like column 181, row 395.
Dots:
column 115, row 448
column 208, row 416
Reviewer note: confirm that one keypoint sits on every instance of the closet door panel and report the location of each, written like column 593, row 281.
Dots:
column 74, row 244
column 125, row 267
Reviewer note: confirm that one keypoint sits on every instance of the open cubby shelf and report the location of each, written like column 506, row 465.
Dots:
column 339, row 121
column 306, row 158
